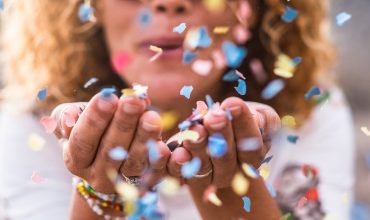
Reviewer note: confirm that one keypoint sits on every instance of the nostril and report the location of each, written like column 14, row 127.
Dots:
column 161, row 8
column 180, row 9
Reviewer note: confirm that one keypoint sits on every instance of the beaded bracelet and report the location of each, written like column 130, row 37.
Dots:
column 96, row 204
column 113, row 198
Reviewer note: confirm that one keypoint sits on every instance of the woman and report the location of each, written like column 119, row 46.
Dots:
column 62, row 51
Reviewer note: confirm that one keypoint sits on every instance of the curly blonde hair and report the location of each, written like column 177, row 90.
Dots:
column 46, row 44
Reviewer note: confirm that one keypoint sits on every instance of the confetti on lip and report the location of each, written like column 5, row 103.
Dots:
column 186, row 91
column 289, row 15
column 120, row 61
column 49, row 123
column 250, row 170
column 91, row 82
column 158, row 51
column 37, row 178
column 118, row 154
column 312, row 92
column 292, row 138
column 36, row 142
column 234, row 54
column 85, row 12
column 191, row 168
column 342, row 18
column 242, row 87
column 42, row 94
column 240, row 184
column 247, row 203
column 202, row 67
column 180, row 28
column 217, row 145
column 188, row 57
column 366, row 131
column 272, row 89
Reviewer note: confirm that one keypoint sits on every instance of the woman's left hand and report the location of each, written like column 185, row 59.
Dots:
column 250, row 121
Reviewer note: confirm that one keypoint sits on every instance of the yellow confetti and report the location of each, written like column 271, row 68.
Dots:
column 344, row 198
column 288, row 121
column 213, row 198
column 128, row 92
column 129, row 208
column 249, row 170
column 169, row 186
column 169, row 120
column 155, row 49
column 264, row 171
column 240, row 184
column 188, row 135
column 366, row 131
column 221, row 30
column 191, row 39
column 284, row 66
column 127, row 191
column 36, row 142
column 214, row 5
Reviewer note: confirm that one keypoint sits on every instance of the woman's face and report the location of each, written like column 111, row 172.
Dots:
column 166, row 75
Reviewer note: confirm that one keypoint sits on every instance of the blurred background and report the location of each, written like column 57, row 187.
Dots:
column 353, row 73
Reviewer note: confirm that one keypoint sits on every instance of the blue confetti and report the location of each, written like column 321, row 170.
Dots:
column 342, row 18
column 184, row 125
column 107, row 92
column 145, row 17
column 271, row 189
column 242, row 87
column 297, row 60
column 90, row 82
column 247, row 203
column 188, row 57
column 42, row 94
column 217, row 145
column 312, row 92
column 292, row 138
column 180, row 28
column 234, row 54
column 186, row 91
column 1, row 4
column 229, row 115
column 152, row 150
column 273, row 88
column 209, row 101
column 289, row 15
column 85, row 12
column 118, row 153
column 204, row 39
column 267, row 159
column 230, row 76
column 191, row 168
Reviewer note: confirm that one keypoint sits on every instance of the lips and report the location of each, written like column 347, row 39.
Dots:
column 172, row 46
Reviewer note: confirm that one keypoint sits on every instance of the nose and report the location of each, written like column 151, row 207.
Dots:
column 171, row 7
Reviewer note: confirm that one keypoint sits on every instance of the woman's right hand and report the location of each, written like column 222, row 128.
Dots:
column 105, row 123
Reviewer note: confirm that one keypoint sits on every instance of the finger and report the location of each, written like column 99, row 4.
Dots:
column 267, row 118
column 224, row 166
column 199, row 149
column 88, row 130
column 178, row 157
column 246, row 130
column 149, row 128
column 66, row 115
column 120, row 132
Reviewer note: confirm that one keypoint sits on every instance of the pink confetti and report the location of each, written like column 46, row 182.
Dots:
column 258, row 71
column 240, row 74
column 120, row 61
column 202, row 67
column 37, row 178
column 244, row 11
column 219, row 58
column 241, row 34
column 49, row 123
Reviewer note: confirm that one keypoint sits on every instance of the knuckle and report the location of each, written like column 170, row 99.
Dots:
column 95, row 118
column 81, row 145
column 123, row 125
column 134, row 165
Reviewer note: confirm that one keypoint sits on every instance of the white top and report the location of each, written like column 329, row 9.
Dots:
column 325, row 141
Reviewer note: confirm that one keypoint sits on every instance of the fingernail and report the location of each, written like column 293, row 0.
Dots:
column 130, row 108
column 218, row 126
column 235, row 110
column 149, row 127
column 200, row 140
column 104, row 105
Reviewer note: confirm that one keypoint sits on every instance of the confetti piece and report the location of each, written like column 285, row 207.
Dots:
column 288, row 121
column 169, row 120
column 120, row 61
column 292, row 138
column 145, row 17
column 344, row 198
column 1, row 5
column 127, row 191
column 258, row 71
column 49, row 123
column 191, row 168
column 107, row 92
column 366, row 131
column 209, row 101
column 42, row 94
column 229, row 115
column 273, row 88
column 86, row 12
column 188, row 135
column 230, row 76
column 90, row 82
column 204, row 40
column 271, row 189
column 153, row 152
column 284, row 66
column 242, row 87
column 240, row 184
column 247, row 203
column 202, row 67
column 249, row 144
column 264, row 171
column 197, row 38
column 186, row 91
column 267, row 159
column 250, row 170
column 322, row 98
column 234, row 54
column 158, row 51
column 118, row 154
column 188, row 57
column 217, row 145
column 342, row 18
column 169, row 186
column 179, row 28
column 219, row 59
column 312, row 92
column 36, row 142
column 289, row 15
column 241, row 34
column 214, row 5
column 37, row 178
column 213, row 198
column 297, row 60
column 184, row 125
column 221, row 30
